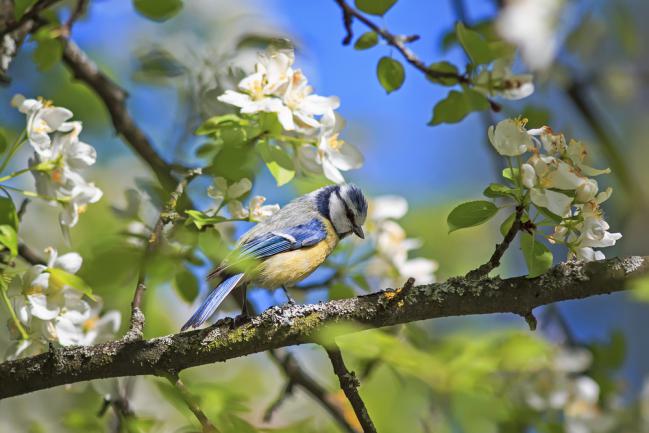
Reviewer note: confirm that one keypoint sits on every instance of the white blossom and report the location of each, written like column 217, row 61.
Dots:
column 59, row 158
column 42, row 119
column 44, row 298
column 531, row 25
column 502, row 82
column 304, row 105
column 510, row 138
column 93, row 328
column 275, row 87
column 256, row 210
column 334, row 154
column 391, row 265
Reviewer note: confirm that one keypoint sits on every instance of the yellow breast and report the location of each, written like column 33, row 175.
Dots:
column 288, row 268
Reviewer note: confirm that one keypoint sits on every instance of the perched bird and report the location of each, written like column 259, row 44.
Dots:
column 288, row 246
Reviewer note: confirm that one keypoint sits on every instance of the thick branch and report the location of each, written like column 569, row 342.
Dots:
column 114, row 98
column 292, row 324
column 349, row 384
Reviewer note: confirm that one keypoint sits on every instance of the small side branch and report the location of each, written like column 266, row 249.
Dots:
column 349, row 384
column 32, row 13
column 397, row 41
column 167, row 215
column 498, row 253
column 296, row 376
column 191, row 403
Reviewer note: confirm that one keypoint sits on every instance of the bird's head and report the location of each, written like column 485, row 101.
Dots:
column 345, row 206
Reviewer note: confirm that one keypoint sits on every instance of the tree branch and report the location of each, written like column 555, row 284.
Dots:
column 191, row 403
column 30, row 14
column 501, row 248
column 297, row 376
column 114, row 98
column 167, row 215
column 292, row 324
column 349, row 384
column 397, row 41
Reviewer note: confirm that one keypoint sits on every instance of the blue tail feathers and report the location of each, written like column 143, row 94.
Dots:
column 212, row 302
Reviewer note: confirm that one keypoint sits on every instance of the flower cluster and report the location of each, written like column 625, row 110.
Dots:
column 563, row 386
column 54, row 311
column 59, row 157
column 276, row 87
column 556, row 178
column 229, row 194
column 391, row 265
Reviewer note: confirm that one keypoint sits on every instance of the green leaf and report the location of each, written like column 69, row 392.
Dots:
column 278, row 162
column 8, row 214
column 158, row 10
column 60, row 278
column 9, row 238
column 511, row 174
column 21, row 6
column 443, row 67
column 497, row 190
column 471, row 214
column 374, row 7
column 269, row 123
column 186, row 285
column 457, row 105
column 48, row 53
column 200, row 220
column 212, row 124
column 390, row 73
column 366, row 40
column 475, row 45
column 537, row 256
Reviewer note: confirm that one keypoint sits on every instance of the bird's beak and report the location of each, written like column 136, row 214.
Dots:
column 358, row 231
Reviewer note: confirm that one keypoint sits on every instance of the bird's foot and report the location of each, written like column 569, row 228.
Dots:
column 289, row 299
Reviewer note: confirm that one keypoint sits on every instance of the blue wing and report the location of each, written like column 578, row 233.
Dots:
column 258, row 248
column 275, row 242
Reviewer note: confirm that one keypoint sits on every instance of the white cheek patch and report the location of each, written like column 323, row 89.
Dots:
column 338, row 215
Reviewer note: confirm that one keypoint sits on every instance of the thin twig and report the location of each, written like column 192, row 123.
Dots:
column 498, row 253
column 76, row 13
column 191, row 403
column 299, row 377
column 167, row 215
column 349, row 384
column 577, row 92
column 398, row 42
column 30, row 15
column 29, row 255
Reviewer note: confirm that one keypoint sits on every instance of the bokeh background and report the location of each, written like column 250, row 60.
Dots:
column 602, row 59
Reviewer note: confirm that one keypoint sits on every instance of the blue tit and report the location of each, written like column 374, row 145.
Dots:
column 288, row 246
